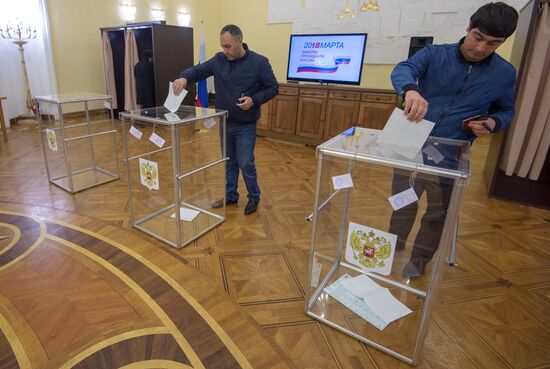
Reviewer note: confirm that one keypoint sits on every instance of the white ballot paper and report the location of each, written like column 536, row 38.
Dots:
column 403, row 136
column 173, row 102
column 186, row 214
column 379, row 299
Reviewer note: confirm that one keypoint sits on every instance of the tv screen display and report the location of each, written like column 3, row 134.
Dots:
column 336, row 58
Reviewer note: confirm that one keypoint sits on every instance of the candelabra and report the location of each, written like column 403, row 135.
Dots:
column 365, row 6
column 19, row 34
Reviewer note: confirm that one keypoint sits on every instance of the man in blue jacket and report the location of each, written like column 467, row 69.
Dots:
column 447, row 84
column 244, row 80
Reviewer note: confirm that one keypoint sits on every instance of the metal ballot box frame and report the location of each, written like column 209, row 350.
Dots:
column 351, row 234
column 78, row 138
column 175, row 161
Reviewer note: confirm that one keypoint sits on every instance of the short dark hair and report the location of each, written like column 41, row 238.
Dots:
column 146, row 53
column 233, row 30
column 495, row 19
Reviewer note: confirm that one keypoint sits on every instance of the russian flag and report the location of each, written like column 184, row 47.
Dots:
column 202, row 90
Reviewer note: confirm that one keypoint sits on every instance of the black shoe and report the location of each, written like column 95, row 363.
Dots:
column 414, row 269
column 251, row 207
column 218, row 204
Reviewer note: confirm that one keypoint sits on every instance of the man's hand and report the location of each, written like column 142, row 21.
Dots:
column 245, row 102
column 479, row 129
column 179, row 85
column 415, row 106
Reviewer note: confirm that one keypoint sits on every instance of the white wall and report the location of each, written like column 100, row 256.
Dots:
column 37, row 57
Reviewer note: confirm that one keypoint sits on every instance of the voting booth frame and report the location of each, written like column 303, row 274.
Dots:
column 351, row 226
column 78, row 137
column 175, row 160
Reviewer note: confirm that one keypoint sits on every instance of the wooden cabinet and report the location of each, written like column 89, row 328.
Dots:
column 312, row 114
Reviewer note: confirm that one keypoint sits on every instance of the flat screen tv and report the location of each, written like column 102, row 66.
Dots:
column 327, row 58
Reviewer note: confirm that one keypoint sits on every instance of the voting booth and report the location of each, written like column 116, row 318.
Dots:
column 361, row 279
column 78, row 138
column 176, row 168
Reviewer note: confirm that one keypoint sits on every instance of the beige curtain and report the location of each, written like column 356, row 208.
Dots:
column 130, row 60
column 108, row 69
column 529, row 137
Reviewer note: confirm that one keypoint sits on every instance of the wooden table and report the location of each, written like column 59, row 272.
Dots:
column 2, row 123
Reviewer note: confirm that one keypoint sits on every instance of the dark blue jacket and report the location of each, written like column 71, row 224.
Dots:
column 250, row 75
column 457, row 89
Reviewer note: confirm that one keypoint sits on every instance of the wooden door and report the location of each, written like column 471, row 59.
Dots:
column 311, row 116
column 265, row 116
column 374, row 115
column 341, row 114
column 285, row 110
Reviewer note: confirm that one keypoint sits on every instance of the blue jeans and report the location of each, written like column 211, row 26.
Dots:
column 240, row 141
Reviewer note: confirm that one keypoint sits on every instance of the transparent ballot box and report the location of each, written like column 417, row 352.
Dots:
column 383, row 221
column 78, row 139
column 175, row 161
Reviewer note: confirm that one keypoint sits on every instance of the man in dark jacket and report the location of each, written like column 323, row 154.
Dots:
column 145, row 80
column 244, row 80
column 447, row 84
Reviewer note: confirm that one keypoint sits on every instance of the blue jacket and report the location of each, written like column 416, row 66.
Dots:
column 457, row 89
column 250, row 75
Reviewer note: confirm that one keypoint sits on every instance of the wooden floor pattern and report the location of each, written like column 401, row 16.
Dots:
column 80, row 288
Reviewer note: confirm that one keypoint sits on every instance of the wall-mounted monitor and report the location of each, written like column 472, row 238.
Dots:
column 327, row 58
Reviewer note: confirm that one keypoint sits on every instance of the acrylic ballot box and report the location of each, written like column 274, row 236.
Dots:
column 361, row 280
column 78, row 139
column 175, row 161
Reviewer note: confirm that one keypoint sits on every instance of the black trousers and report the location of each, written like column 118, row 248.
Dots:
column 438, row 191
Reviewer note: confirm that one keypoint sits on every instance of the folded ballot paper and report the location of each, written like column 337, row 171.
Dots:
column 404, row 137
column 367, row 299
column 173, row 101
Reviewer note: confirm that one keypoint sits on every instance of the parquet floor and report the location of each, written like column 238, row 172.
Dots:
column 80, row 288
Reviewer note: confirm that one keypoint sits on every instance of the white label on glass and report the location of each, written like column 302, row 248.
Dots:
column 149, row 174
column 157, row 140
column 136, row 132
column 343, row 181
column 403, row 199
column 433, row 154
column 52, row 139
column 209, row 123
column 316, row 274
column 172, row 117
